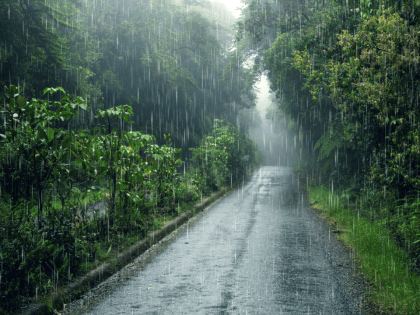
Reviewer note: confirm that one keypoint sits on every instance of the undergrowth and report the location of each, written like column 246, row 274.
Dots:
column 380, row 256
column 50, row 238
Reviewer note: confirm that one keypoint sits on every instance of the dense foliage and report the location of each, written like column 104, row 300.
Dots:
column 48, row 170
column 171, row 63
column 223, row 156
column 168, row 60
column 346, row 78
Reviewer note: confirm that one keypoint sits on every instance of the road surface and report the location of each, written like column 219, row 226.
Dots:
column 259, row 250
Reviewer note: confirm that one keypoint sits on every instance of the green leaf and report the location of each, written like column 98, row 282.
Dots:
column 42, row 134
column 59, row 133
column 21, row 101
column 110, row 247
column 66, row 142
column 50, row 134
column 46, row 90
column 83, row 106
column 59, row 88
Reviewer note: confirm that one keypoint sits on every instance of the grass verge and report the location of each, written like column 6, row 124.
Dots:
column 395, row 289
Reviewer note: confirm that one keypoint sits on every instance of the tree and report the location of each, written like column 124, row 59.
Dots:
column 36, row 144
column 375, row 85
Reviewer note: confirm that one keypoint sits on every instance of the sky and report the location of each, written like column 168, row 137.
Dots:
column 232, row 5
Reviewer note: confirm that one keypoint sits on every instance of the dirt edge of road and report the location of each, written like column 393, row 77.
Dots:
column 83, row 284
column 357, row 279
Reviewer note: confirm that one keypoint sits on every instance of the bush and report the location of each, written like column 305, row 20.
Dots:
column 188, row 191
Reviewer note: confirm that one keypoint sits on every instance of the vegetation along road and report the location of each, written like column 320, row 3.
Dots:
column 260, row 250
column 147, row 108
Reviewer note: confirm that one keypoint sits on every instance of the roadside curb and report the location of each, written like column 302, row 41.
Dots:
column 83, row 284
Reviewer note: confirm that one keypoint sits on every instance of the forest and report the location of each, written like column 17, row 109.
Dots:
column 346, row 78
column 134, row 103
column 148, row 104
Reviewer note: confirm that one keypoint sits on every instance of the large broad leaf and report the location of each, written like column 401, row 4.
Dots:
column 66, row 142
column 83, row 105
column 52, row 90
column 42, row 134
column 50, row 134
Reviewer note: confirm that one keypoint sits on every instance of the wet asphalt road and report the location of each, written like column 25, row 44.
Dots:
column 260, row 250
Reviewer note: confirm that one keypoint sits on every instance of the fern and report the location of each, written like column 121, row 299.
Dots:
column 330, row 140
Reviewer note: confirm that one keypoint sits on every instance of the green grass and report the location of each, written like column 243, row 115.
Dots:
column 396, row 290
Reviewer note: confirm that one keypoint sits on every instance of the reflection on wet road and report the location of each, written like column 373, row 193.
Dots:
column 260, row 250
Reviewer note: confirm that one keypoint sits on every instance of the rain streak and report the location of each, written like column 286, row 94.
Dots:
column 209, row 157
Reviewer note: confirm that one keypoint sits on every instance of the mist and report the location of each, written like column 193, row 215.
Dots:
column 269, row 129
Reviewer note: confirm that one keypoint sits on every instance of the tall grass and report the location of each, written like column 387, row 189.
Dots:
column 395, row 289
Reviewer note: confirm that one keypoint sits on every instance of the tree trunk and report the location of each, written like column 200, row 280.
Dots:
column 129, row 188
column 39, row 189
column 114, row 189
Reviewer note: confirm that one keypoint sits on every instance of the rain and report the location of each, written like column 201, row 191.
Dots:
column 201, row 156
